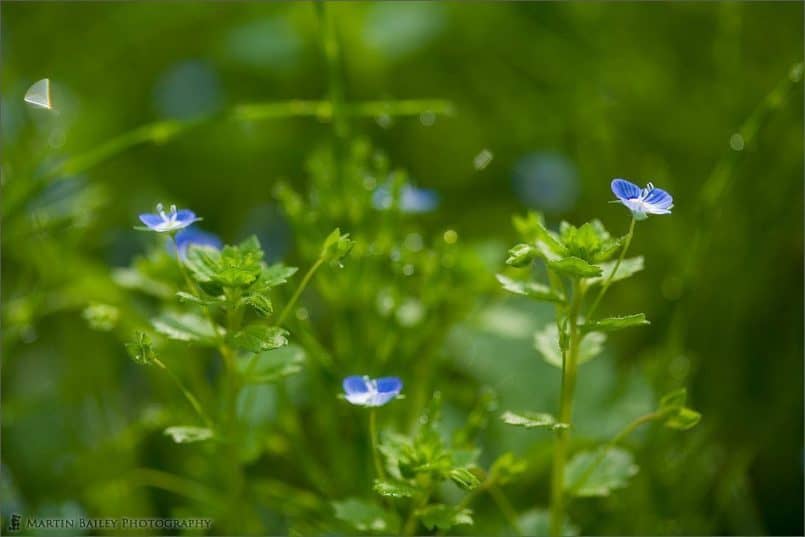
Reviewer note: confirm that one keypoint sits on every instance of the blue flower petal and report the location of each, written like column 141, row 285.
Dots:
column 659, row 198
column 382, row 398
column 391, row 385
column 151, row 220
column 185, row 216
column 193, row 236
column 355, row 384
column 624, row 189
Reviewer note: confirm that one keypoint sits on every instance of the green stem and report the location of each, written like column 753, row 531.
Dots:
column 306, row 280
column 373, row 439
column 569, row 365
column 188, row 395
column 608, row 281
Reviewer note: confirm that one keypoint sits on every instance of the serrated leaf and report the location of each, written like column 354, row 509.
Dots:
column 464, row 478
column 394, row 489
column 141, row 350
column 275, row 275
column 674, row 399
column 532, row 420
column 233, row 266
column 610, row 324
column 530, row 289
column 546, row 342
column 626, row 269
column 684, row 419
column 574, row 267
column 259, row 337
column 261, row 303
column 443, row 517
column 186, row 434
column 193, row 299
column 363, row 515
column 599, row 472
column 185, row 327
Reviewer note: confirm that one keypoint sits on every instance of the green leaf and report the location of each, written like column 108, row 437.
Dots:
column 260, row 302
column 185, row 434
column 234, row 266
column 674, row 400
column 464, row 478
column 532, row 420
column 134, row 279
column 394, row 489
column 259, row 337
column 193, row 299
column 610, row 324
column 626, row 269
column 546, row 342
column 271, row 366
column 521, row 255
column 537, row 523
column 443, row 517
column 506, row 468
column 684, row 419
column 534, row 290
column 599, row 472
column 275, row 275
column 336, row 246
column 141, row 350
column 363, row 515
column 532, row 229
column 101, row 317
column 574, row 267
column 185, row 327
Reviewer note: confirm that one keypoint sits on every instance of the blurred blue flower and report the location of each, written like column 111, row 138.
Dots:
column 193, row 236
column 173, row 220
column 412, row 199
column 642, row 202
column 364, row 391
column 546, row 180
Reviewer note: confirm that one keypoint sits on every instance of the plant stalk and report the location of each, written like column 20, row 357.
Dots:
column 306, row 280
column 608, row 281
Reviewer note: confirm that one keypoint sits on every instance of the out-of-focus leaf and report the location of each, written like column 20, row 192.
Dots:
column 529, row 289
column 185, row 327
column 363, row 515
column 537, row 523
column 599, row 472
column 464, row 478
column 684, row 419
column 610, row 324
column 260, row 302
column 275, row 275
column 394, row 489
column 546, row 342
column 532, row 420
column 444, row 517
column 273, row 365
column 193, row 299
column 506, row 468
column 626, row 269
column 185, row 434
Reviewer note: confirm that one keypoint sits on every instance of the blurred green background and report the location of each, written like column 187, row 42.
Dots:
column 703, row 99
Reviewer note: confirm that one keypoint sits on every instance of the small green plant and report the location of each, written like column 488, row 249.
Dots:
column 580, row 264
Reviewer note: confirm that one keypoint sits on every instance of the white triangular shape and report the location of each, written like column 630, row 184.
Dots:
column 39, row 94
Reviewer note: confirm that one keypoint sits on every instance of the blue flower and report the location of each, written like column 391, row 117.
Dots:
column 193, row 236
column 642, row 201
column 412, row 199
column 364, row 391
column 168, row 222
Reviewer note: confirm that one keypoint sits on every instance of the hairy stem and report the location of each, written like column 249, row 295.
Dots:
column 608, row 281
column 569, row 365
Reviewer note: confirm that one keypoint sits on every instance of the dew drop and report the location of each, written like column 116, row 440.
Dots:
column 38, row 95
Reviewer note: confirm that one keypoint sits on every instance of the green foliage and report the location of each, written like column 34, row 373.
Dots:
column 533, row 290
column 629, row 267
column 611, row 324
column 188, row 326
column 394, row 489
column 677, row 415
column 444, row 517
column 235, row 266
column 521, row 255
column 546, row 341
column 258, row 337
column 141, row 350
column 599, row 472
column 101, row 317
column 532, row 420
column 365, row 516
column 188, row 434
